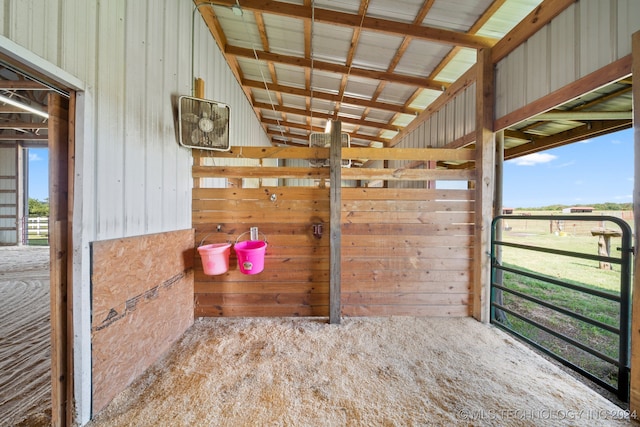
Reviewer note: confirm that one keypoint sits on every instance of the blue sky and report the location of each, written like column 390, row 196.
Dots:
column 39, row 173
column 593, row 171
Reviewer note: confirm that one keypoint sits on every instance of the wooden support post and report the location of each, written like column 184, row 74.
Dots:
column 485, row 172
column 59, row 212
column 198, row 88
column 198, row 92
column 634, row 391
column 335, row 157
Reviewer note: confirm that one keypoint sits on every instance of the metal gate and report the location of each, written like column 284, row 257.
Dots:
column 538, row 307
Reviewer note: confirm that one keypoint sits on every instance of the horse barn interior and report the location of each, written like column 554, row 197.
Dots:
column 363, row 141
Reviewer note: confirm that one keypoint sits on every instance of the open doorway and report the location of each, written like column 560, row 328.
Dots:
column 34, row 153
column 563, row 242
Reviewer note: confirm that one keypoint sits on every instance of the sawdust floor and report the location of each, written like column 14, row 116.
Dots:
column 25, row 343
column 396, row 371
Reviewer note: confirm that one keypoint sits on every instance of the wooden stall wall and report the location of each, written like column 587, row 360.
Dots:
column 409, row 251
column 142, row 302
column 404, row 251
column 295, row 279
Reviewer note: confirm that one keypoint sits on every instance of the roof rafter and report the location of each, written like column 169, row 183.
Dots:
column 335, row 68
column 319, row 115
column 368, row 23
column 290, row 90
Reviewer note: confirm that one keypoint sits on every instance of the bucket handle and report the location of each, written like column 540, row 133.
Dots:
column 203, row 239
column 260, row 232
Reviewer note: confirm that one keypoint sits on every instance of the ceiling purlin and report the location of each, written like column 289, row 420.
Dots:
column 347, row 120
column 307, row 55
column 334, row 17
column 384, row 106
column 211, row 20
column 303, row 126
column 264, row 39
column 355, row 39
column 486, row 15
column 336, row 68
column 422, row 13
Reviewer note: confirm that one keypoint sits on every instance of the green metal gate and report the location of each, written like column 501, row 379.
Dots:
column 536, row 307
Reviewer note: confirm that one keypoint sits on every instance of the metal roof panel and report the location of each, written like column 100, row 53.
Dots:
column 376, row 50
column 284, row 34
column 458, row 15
column 404, row 11
column 421, row 57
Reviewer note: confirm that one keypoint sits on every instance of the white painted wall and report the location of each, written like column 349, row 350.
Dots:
column 129, row 60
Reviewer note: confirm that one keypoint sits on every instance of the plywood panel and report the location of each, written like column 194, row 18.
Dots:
column 142, row 301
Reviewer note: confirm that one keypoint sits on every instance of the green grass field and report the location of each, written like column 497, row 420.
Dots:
column 575, row 237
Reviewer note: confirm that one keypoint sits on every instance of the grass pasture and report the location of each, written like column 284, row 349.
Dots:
column 574, row 236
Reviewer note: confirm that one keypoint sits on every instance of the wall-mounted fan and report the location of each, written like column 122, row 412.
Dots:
column 203, row 124
column 318, row 139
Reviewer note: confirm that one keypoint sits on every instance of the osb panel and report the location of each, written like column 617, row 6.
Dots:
column 142, row 302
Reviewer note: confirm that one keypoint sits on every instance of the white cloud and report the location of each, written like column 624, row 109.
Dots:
column 534, row 159
column 616, row 141
column 33, row 157
column 564, row 165
column 586, row 141
column 627, row 197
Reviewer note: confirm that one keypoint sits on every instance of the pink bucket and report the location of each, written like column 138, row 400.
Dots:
column 251, row 256
column 215, row 258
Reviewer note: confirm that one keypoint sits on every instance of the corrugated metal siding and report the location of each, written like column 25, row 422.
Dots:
column 584, row 38
column 452, row 122
column 134, row 58
column 8, row 194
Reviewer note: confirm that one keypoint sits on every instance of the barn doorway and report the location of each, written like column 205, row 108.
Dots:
column 36, row 114
column 573, row 199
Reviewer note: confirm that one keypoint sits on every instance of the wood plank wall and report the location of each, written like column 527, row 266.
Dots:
column 404, row 251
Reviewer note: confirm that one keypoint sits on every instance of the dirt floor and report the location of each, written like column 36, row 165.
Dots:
column 396, row 371
column 25, row 349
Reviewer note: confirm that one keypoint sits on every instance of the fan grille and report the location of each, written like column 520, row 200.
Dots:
column 203, row 124
column 319, row 139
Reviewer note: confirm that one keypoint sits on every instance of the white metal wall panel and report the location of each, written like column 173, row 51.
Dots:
column 585, row 37
column 109, row 129
column 37, row 38
column 562, row 56
column 627, row 23
column 8, row 159
column 597, row 46
column 470, row 107
column 536, row 66
column 135, row 205
column 131, row 60
column 452, row 122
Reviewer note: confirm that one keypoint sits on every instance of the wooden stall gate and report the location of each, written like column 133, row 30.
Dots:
column 405, row 251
